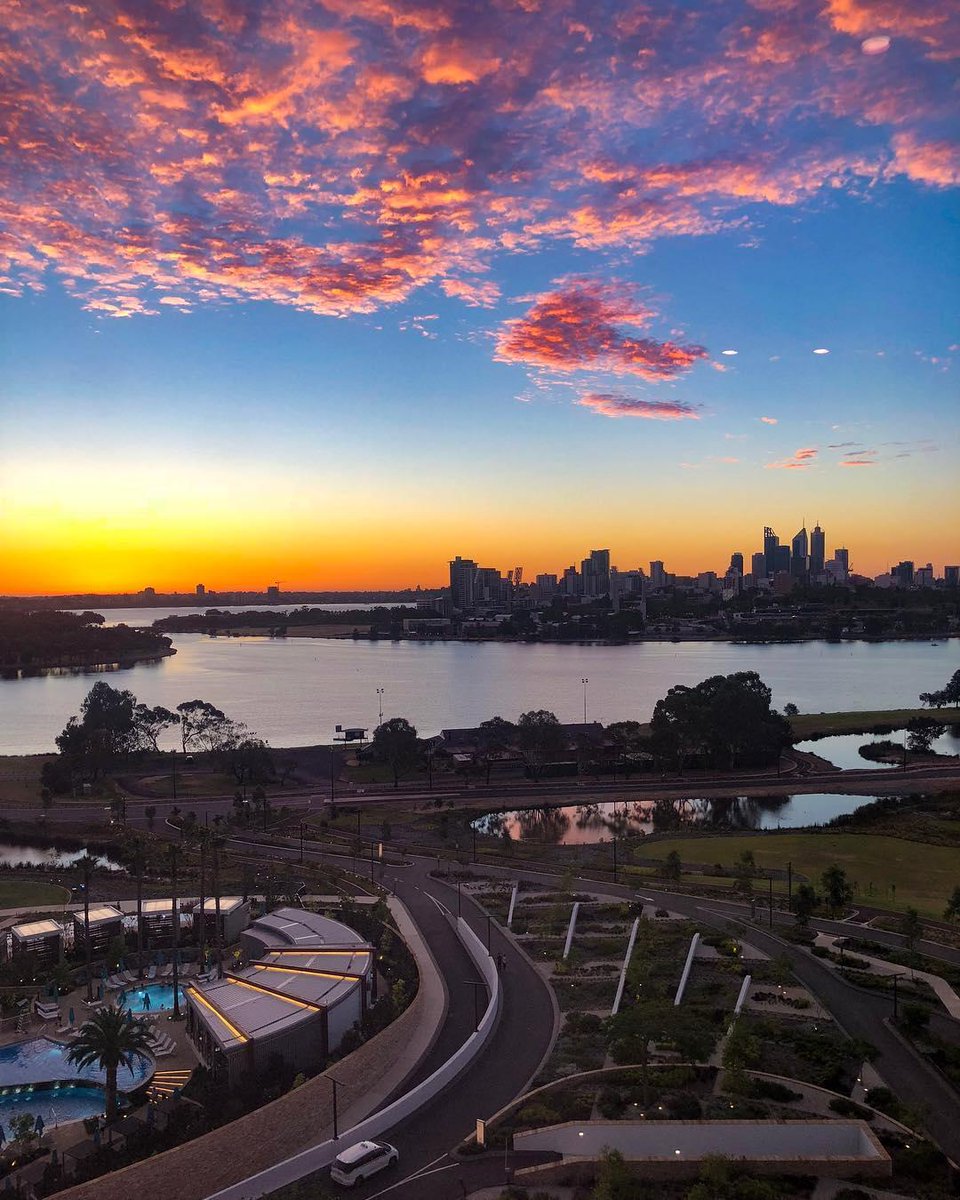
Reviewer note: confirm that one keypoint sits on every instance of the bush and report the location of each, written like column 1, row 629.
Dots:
column 847, row 1108
column 769, row 1089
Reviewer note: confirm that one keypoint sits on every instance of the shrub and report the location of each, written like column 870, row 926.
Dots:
column 769, row 1089
column 847, row 1108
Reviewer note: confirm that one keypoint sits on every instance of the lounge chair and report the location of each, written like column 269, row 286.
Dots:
column 152, row 973
column 166, row 1051
column 115, row 982
column 188, row 970
column 66, row 1027
column 166, row 970
column 130, row 976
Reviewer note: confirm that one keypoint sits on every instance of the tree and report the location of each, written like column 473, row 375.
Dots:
column 725, row 720
column 950, row 694
column 720, row 1179
column 497, row 737
column 837, row 890
column 672, row 866
column 911, row 927
column 540, row 738
column 23, row 1126
column 217, row 843
column 112, row 1038
column 805, row 902
column 150, row 813
column 203, row 726
column 790, row 710
column 396, row 744
column 614, row 1180
column 139, row 866
column 922, row 732
column 628, row 741
column 104, row 732
column 86, row 866
column 952, row 911
column 250, row 760
column 745, row 871
column 149, row 723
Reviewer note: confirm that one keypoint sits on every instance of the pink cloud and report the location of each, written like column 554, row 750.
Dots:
column 616, row 406
column 800, row 460
column 580, row 326
column 769, row 420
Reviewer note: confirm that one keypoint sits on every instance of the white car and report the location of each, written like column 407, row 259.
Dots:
column 361, row 1161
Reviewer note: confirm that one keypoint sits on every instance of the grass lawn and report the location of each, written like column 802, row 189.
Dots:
column 24, row 893
column 807, row 725
column 923, row 875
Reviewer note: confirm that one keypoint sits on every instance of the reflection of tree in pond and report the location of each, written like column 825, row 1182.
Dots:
column 543, row 824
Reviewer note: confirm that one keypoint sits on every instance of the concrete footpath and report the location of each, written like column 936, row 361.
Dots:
column 943, row 991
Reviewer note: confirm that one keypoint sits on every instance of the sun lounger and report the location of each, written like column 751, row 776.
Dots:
column 167, row 1051
column 166, row 970
column 115, row 982
column 66, row 1027
column 130, row 976
column 152, row 973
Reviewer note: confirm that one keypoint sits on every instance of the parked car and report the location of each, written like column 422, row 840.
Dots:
column 361, row 1161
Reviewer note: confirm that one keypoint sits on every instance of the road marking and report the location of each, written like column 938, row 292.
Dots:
column 442, row 907
column 421, row 1174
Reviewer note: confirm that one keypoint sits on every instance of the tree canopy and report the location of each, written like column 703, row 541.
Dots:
column 540, row 738
column 395, row 743
column 725, row 721
column 949, row 694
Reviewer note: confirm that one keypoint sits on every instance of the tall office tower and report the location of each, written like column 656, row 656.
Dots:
column 781, row 560
column 842, row 555
column 798, row 554
column 736, row 562
column 201, row 590
column 902, row 573
column 951, row 576
column 818, row 551
column 546, row 586
column 771, row 543
column 490, row 587
column 658, row 576
column 571, row 582
column 595, row 571
column 923, row 576
column 463, row 583
column 758, row 565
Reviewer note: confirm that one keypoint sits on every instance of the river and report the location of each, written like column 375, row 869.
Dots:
column 293, row 692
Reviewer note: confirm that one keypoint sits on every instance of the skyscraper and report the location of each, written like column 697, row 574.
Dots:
column 798, row 554
column 818, row 556
column 771, row 544
column 463, row 582
column 736, row 562
column 595, row 571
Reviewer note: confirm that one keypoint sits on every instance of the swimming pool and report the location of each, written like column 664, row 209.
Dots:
column 57, row 1103
column 41, row 1060
column 154, row 997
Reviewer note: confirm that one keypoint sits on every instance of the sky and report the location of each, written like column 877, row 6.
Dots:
column 326, row 293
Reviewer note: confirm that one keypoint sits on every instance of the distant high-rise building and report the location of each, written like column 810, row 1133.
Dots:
column 771, row 544
column 658, row 576
column 463, row 583
column 201, row 590
column 571, row 581
column 781, row 560
column 489, row 586
column 798, row 554
column 818, row 547
column 736, row 562
column 546, row 586
column 149, row 591
column 842, row 555
column 707, row 581
column 273, row 592
column 923, row 576
column 595, row 572
column 758, row 565
column 903, row 574
column 951, row 576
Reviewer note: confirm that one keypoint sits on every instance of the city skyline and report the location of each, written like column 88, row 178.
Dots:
column 322, row 292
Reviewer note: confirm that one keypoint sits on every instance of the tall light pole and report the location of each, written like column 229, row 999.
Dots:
column 584, row 681
column 380, row 703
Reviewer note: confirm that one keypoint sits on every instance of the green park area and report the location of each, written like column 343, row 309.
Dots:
column 29, row 893
column 825, row 724
column 887, row 871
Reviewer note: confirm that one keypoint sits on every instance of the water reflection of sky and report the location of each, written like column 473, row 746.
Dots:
column 585, row 824
column 13, row 853
column 844, row 750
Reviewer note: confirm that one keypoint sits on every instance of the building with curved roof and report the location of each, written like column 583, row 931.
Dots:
column 308, row 980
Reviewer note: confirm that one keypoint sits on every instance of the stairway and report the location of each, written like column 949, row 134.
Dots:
column 165, row 1083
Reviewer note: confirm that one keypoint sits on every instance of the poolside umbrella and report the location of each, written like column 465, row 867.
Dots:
column 38, row 1125
column 72, row 1017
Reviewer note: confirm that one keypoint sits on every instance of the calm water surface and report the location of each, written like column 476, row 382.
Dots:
column 12, row 853
column 293, row 692
column 844, row 750
column 578, row 825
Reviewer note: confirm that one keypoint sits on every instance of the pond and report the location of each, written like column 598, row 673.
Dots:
column 843, row 750
column 29, row 854
column 585, row 824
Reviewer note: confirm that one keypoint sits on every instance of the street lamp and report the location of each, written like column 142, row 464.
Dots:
column 380, row 703
column 584, row 681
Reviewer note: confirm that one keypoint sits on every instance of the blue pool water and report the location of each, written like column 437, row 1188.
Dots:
column 41, row 1060
column 154, row 997
column 57, row 1103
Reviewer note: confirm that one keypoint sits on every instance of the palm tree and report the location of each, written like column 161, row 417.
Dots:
column 174, row 855
column 112, row 1038
column 86, row 867
column 203, row 838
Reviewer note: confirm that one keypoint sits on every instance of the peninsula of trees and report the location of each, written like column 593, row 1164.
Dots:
column 32, row 641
